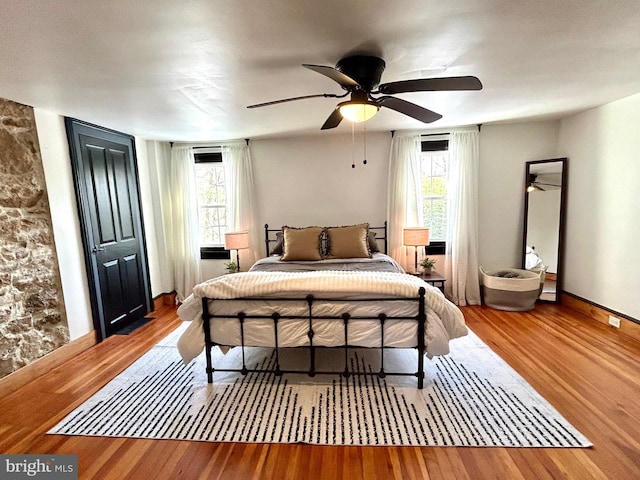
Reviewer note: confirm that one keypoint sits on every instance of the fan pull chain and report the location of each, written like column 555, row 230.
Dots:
column 364, row 161
column 353, row 145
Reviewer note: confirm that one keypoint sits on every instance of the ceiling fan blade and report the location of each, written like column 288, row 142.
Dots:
column 431, row 85
column 410, row 109
column 292, row 99
column 337, row 76
column 333, row 121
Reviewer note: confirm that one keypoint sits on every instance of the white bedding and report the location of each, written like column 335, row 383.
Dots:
column 378, row 262
column 444, row 320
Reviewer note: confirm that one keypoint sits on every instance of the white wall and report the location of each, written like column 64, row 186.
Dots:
column 603, row 206
column 64, row 217
column 308, row 180
column 504, row 151
column 304, row 181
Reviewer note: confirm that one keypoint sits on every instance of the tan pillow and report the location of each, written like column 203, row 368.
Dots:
column 348, row 242
column 302, row 243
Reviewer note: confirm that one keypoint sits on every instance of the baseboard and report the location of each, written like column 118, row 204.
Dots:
column 629, row 326
column 40, row 367
column 163, row 300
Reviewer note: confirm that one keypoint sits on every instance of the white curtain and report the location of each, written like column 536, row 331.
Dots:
column 404, row 205
column 241, row 215
column 184, row 222
column 159, row 161
column 461, row 260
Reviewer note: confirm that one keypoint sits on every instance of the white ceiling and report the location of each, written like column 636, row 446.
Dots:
column 185, row 70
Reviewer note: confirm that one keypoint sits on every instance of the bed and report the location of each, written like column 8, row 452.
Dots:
column 320, row 287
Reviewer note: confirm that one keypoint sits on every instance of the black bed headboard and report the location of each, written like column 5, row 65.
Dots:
column 270, row 236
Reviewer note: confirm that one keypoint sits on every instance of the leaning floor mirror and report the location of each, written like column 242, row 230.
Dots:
column 544, row 211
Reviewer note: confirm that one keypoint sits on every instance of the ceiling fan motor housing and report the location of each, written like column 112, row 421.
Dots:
column 364, row 69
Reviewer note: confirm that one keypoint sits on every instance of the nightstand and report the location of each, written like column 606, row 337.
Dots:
column 434, row 279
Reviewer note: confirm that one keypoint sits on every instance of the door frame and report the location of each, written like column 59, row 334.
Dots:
column 74, row 128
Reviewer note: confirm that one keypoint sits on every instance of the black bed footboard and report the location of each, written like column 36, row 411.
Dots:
column 312, row 318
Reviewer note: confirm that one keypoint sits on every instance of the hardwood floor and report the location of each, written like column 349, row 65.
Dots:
column 588, row 371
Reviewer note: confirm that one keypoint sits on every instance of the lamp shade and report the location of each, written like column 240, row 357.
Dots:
column 415, row 236
column 236, row 240
column 358, row 111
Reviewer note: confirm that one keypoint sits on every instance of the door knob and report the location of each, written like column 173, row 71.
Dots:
column 97, row 249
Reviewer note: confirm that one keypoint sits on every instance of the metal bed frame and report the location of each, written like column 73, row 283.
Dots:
column 269, row 234
column 346, row 318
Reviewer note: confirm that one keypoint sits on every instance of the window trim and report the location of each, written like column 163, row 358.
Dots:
column 210, row 252
column 435, row 248
column 434, row 145
column 214, row 253
column 208, row 157
column 438, row 144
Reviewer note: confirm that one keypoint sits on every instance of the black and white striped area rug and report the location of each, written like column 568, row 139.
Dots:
column 471, row 398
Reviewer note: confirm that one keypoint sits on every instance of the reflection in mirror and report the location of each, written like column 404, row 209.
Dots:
column 543, row 222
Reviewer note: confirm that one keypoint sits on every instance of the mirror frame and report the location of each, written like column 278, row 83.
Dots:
column 563, row 205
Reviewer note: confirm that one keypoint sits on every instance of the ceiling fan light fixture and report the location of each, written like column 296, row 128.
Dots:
column 358, row 111
column 532, row 186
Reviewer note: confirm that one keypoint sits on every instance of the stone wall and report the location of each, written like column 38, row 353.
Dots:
column 32, row 316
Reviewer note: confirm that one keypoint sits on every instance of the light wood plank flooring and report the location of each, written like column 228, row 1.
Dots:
column 588, row 371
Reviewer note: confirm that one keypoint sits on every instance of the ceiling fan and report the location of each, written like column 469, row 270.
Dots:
column 360, row 76
column 535, row 185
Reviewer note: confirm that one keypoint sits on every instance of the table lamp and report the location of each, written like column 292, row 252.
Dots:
column 236, row 241
column 415, row 237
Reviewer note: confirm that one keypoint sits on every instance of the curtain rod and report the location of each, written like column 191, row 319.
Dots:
column 212, row 146
column 479, row 125
column 393, row 132
column 446, row 133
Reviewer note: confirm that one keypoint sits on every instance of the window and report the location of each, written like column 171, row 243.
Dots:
column 212, row 209
column 434, row 165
